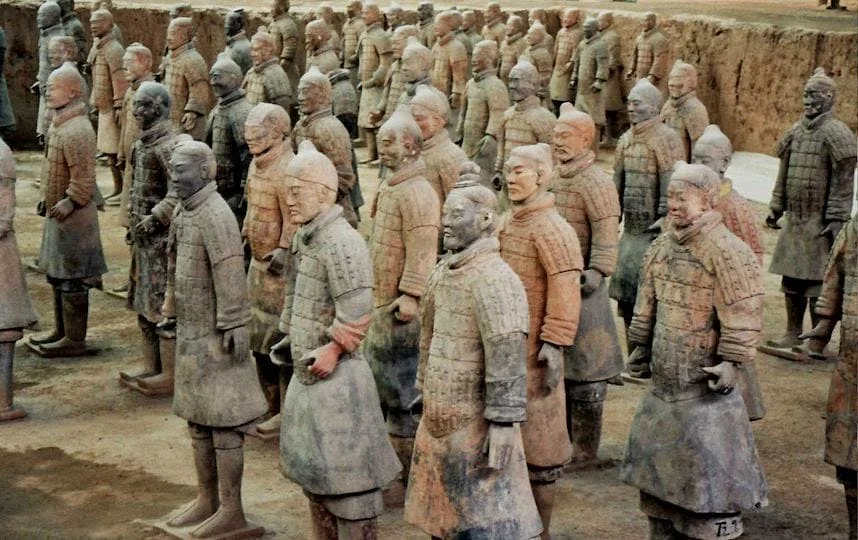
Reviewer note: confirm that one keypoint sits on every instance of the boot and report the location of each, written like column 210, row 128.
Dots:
column 322, row 523
column 150, row 353
column 271, row 427
column 361, row 529
column 586, row 420
column 230, row 467
column 7, row 411
column 371, row 148
column 404, row 448
column 852, row 511
column 206, row 503
column 815, row 347
column 59, row 328
column 114, row 198
column 795, row 306
column 162, row 383
column 627, row 311
column 75, row 307
column 543, row 495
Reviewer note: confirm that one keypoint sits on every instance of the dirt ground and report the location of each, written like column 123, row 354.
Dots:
column 95, row 460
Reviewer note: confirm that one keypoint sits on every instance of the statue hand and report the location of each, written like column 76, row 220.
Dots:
column 189, row 121
column 455, row 101
column 145, row 227
column 40, row 208
column 652, row 79
column 596, row 87
column 404, row 308
column 325, row 360
column 276, row 261
column 832, row 229
column 485, row 144
column 499, row 444
column 552, row 356
column 34, row 88
column 638, row 363
column 117, row 116
column 497, row 181
column 62, row 209
column 724, row 377
column 375, row 116
column 772, row 219
column 657, row 226
column 237, row 341
column 591, row 279
column 280, row 351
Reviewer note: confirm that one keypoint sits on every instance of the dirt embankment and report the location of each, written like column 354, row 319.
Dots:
column 751, row 75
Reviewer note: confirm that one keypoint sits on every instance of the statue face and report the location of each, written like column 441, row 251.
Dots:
column 223, row 81
column 304, row 200
column 568, row 143
column 521, row 87
column 685, row 203
column 233, row 24
column 534, row 36
column 443, row 25
column 649, row 22
column 100, row 26
column 371, row 14
column 537, row 15
column 260, row 139
column 460, row 222
column 425, row 12
column 639, row 109
column 353, row 9
column 679, row 85
column 60, row 92
column 591, row 28
column 482, row 60
column 134, row 66
column 816, row 101
column 604, row 21
column 176, row 36
column 514, row 26
column 392, row 147
column 429, row 122
column 185, row 173
column 412, row 68
column 397, row 43
column 47, row 17
column 314, row 39
column 522, row 178
column 260, row 51
column 310, row 98
column 57, row 54
column 147, row 110
column 469, row 19
column 704, row 154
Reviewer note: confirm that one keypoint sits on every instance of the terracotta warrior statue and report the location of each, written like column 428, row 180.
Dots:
column 319, row 125
column 266, row 81
column 589, row 74
column 682, row 111
column 74, row 29
column 642, row 167
column 542, row 249
column 541, row 16
column 542, row 58
column 442, row 157
column 697, row 321
column 394, row 83
column 151, row 204
column 351, row 31
column 333, row 442
column 394, row 15
column 320, row 50
column 494, row 28
column 426, row 23
column 403, row 247
column 16, row 311
column 526, row 122
column 287, row 46
column 651, row 55
column 483, row 106
column 416, row 67
column 49, row 21
column 587, row 199
column 568, row 37
column 614, row 94
column 62, row 49
column 473, row 346
column 225, row 133
column 187, row 80
column 216, row 387
column 450, row 68
column 376, row 57
column 325, row 13
column 814, row 190
column 176, row 11
column 837, row 301
column 512, row 47
column 458, row 31
column 70, row 254
column 268, row 231
column 470, row 29
column 237, row 44
column 108, row 6
column 7, row 115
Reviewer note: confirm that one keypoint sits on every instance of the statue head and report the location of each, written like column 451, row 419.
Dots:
column 317, row 33
column 682, row 79
column 469, row 214
column 514, row 25
column 225, row 76
column 644, row 102
column 469, row 20
column 713, row 149
column 371, row 13
column 399, row 39
column 527, row 171
column 65, row 86
column 819, row 94
column 311, row 180
column 324, row 12
column 535, row 34
column 314, row 92
column 100, row 23
column 61, row 49
column 591, row 27
column 179, row 32
column 354, row 8
column 458, row 19
column 573, row 133
column 399, row 139
column 425, row 11
column 66, row 7
column 523, row 80
column 234, row 22
column 395, row 16
column 570, row 17
column 445, row 22
column 279, row 8
column 267, row 125
column 192, row 167
column 606, row 19
column 49, row 15
column 262, row 46
column 650, row 20
column 152, row 103
column 485, row 56
column 692, row 192
column 137, row 62
column 416, row 61
column 537, row 14
column 181, row 10
column 430, row 110
column 493, row 11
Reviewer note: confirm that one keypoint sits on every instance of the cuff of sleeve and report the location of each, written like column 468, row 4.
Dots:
column 732, row 352
column 348, row 336
column 412, row 285
column 557, row 332
column 638, row 335
column 499, row 414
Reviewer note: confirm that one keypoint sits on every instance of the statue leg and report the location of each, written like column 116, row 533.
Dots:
column 161, row 384
column 543, row 495
column 322, row 522
column 206, row 502
column 597, row 139
column 59, row 326
column 627, row 311
column 402, row 426
column 75, row 313
column 7, row 356
column 584, row 406
column 113, row 198
column 150, row 352
column 362, row 529
column 272, row 425
column 372, row 149
column 229, row 453
column 815, row 347
column 795, row 303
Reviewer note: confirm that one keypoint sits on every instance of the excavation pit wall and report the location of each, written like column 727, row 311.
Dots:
column 751, row 76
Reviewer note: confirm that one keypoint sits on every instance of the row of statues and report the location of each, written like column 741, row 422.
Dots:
column 469, row 342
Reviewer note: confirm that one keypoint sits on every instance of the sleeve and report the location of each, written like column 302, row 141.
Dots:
column 778, row 201
column 842, row 150
column 170, row 289
column 498, row 101
column 197, row 77
column 829, row 305
column 696, row 122
column 738, row 301
column 242, row 155
column 668, row 150
column 603, row 211
column 287, row 228
column 615, row 58
column 124, row 127
column 576, row 56
column 290, row 276
column 603, row 62
column 619, row 172
column 350, row 283
column 660, row 58
column 463, row 110
column 336, row 145
column 226, row 256
column 427, row 322
column 544, row 125
column 385, row 94
column 385, row 58
column 79, row 153
column 289, row 42
column 560, row 255
column 633, row 68
column 421, row 213
column 458, row 66
column 163, row 211
column 7, row 204
column 117, row 74
column 278, row 89
column 643, row 321
column 501, row 136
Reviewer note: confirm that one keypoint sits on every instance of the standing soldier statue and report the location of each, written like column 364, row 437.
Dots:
column 352, row 29
column 682, row 111
column 651, row 55
column 237, row 44
column 568, row 38
column 186, row 79
column 394, row 83
column 589, row 73
column 286, row 41
column 266, row 81
column 450, row 69
column 538, row 53
column 512, row 46
column 494, row 28
column 614, row 101
column 375, row 59
column 426, row 24
column 49, row 22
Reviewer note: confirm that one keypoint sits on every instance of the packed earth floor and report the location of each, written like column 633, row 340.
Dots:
column 96, row 460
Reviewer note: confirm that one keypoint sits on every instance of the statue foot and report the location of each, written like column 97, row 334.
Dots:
column 12, row 414
column 223, row 521
column 787, row 342
column 157, row 385
column 47, row 338
column 198, row 511
column 64, row 347
column 137, row 374
column 270, row 426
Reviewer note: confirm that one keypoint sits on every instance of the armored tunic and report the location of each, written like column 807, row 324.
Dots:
column 45, row 36
column 473, row 36
column 644, row 161
column 238, row 48
column 564, row 53
column 700, row 303
column 152, row 194
column 287, row 39
column 266, row 228
column 375, row 59
column 324, row 58
column 403, row 249
column 587, row 199
column 394, row 86
column 225, row 136
column 443, row 160
column 839, row 300
column 352, row 30
column 213, row 387
column 108, row 76
column 614, row 85
column 591, row 65
column 651, row 57
column 71, row 249
column 540, row 56
column 511, row 48
column 687, row 115
column 331, row 138
column 450, row 70
column 813, row 187
column 426, row 33
column 333, row 441
column 268, row 83
column 187, row 80
column 483, row 106
column 526, row 122
column 739, row 218
column 74, row 29
column 129, row 132
column 495, row 31
column 344, row 98
column 542, row 249
column 472, row 372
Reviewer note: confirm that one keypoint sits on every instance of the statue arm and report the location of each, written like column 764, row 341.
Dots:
column 643, row 321
column 838, row 207
column 427, row 323
column 738, row 301
column 226, row 256
column 7, row 204
column 498, row 102
column 78, row 151
column 829, row 305
column 560, row 255
column 420, row 223
column 350, row 284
